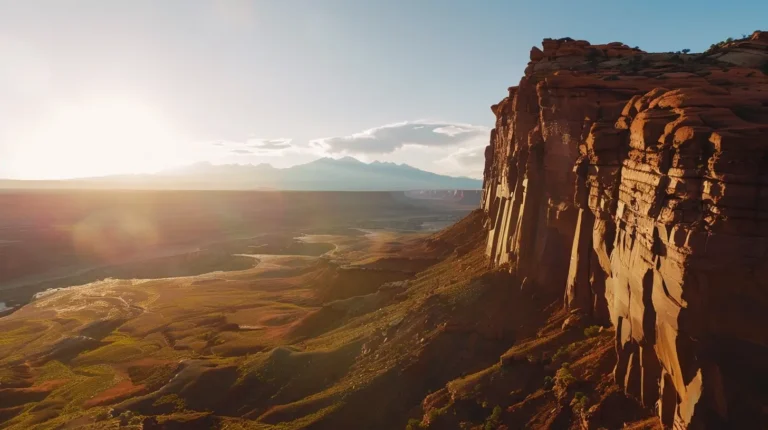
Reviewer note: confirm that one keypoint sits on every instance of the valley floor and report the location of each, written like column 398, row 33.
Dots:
column 370, row 330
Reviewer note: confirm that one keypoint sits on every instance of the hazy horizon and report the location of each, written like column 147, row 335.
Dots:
column 91, row 88
column 209, row 163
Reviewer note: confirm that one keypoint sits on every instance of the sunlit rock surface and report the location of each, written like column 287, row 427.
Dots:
column 637, row 184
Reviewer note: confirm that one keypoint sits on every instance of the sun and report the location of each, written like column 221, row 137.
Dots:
column 96, row 138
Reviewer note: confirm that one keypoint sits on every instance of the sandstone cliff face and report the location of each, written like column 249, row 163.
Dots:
column 638, row 183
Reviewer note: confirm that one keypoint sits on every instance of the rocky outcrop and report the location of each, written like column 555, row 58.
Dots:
column 638, row 183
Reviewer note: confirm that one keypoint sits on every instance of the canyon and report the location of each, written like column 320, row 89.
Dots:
column 635, row 183
column 610, row 275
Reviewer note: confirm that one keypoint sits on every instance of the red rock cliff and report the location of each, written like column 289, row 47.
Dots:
column 638, row 183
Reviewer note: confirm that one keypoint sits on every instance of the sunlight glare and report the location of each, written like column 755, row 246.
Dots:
column 98, row 138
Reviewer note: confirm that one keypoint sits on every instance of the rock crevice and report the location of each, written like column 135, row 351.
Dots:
column 637, row 183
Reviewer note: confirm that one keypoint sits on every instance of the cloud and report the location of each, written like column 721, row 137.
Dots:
column 255, row 146
column 389, row 138
column 468, row 161
column 269, row 144
column 437, row 146
column 241, row 151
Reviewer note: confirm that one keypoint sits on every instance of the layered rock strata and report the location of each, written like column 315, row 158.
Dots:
column 638, row 183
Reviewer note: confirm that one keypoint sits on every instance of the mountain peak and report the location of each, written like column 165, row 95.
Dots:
column 324, row 174
column 343, row 160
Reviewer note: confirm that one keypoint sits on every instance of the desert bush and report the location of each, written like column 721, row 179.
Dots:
column 494, row 420
column 434, row 414
column 592, row 331
column 413, row 424
column 126, row 418
column 549, row 382
column 171, row 399
column 580, row 402
column 564, row 351
column 103, row 415
column 564, row 377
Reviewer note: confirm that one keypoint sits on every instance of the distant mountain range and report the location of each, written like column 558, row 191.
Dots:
column 325, row 174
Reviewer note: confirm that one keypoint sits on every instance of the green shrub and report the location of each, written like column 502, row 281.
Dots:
column 413, row 424
column 494, row 420
column 549, row 382
column 434, row 414
column 564, row 377
column 592, row 331
column 561, row 352
column 564, row 351
column 172, row 400
column 580, row 402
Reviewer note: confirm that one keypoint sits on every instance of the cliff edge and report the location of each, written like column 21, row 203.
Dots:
column 637, row 183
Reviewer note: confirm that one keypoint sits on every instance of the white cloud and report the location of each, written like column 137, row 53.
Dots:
column 469, row 160
column 454, row 149
column 388, row 138
column 269, row 144
column 257, row 146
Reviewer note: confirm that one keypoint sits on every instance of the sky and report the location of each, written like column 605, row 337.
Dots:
column 90, row 88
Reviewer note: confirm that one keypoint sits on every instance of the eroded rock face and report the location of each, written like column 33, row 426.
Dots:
column 638, row 183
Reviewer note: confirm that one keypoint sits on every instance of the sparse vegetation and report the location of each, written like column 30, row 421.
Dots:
column 593, row 57
column 413, row 424
column 435, row 414
column 564, row 351
column 173, row 400
column 580, row 402
column 237, row 328
column 494, row 420
column 564, row 377
column 718, row 45
column 549, row 382
column 592, row 331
